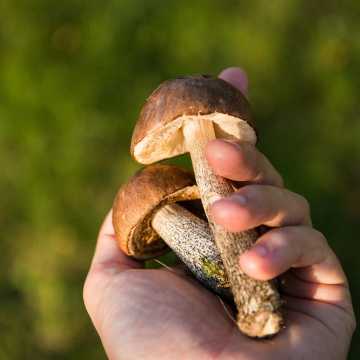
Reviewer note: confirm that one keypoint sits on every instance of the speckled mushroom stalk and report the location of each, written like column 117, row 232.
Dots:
column 146, row 218
column 192, row 241
column 257, row 301
column 183, row 115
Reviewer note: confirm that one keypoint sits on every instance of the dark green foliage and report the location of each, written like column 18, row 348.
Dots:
column 73, row 75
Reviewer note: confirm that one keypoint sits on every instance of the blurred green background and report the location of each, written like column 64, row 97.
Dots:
column 73, row 75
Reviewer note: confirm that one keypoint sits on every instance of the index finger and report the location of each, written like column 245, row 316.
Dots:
column 241, row 162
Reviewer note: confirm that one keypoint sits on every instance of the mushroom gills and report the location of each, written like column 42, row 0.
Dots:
column 168, row 140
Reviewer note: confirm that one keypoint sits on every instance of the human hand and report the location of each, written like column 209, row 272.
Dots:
column 164, row 314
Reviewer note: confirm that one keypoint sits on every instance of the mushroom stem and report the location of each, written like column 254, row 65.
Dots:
column 257, row 302
column 190, row 238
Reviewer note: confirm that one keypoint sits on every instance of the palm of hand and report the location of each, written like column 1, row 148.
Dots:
column 160, row 314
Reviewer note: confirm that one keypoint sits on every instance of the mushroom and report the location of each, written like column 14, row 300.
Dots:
column 183, row 115
column 147, row 219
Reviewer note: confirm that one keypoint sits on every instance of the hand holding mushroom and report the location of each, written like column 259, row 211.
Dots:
column 183, row 115
column 147, row 313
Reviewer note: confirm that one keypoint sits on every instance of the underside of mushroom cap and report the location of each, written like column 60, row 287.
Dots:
column 159, row 131
column 137, row 201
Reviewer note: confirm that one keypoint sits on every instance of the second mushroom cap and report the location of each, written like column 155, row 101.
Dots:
column 136, row 201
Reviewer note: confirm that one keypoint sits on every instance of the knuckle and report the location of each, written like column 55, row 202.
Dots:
column 279, row 181
column 305, row 204
column 353, row 324
column 304, row 207
column 248, row 161
column 350, row 324
column 322, row 238
column 268, row 172
column 318, row 248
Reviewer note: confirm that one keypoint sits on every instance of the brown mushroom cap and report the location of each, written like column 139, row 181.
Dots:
column 158, row 133
column 137, row 200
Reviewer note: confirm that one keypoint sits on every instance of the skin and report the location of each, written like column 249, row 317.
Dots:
column 164, row 314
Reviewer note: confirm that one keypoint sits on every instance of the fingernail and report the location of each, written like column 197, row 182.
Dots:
column 240, row 199
column 213, row 197
column 260, row 250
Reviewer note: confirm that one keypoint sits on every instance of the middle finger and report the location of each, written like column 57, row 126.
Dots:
column 255, row 205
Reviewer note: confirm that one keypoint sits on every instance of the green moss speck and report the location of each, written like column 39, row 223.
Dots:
column 215, row 270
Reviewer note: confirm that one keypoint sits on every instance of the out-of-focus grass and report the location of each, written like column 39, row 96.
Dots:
column 73, row 76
